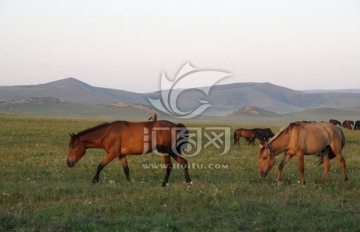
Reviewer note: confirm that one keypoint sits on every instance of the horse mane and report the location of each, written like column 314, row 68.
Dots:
column 285, row 129
column 98, row 127
column 278, row 134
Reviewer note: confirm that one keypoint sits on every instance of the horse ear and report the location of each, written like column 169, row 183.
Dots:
column 72, row 136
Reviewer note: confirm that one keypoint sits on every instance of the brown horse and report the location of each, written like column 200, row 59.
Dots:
column 348, row 124
column 299, row 139
column 249, row 134
column 335, row 122
column 121, row 138
column 153, row 117
column 357, row 125
column 265, row 133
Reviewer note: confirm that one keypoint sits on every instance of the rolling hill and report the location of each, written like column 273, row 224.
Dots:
column 69, row 95
column 70, row 90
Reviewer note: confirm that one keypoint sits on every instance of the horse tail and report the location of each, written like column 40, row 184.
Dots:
column 235, row 137
column 342, row 139
column 331, row 154
column 182, row 139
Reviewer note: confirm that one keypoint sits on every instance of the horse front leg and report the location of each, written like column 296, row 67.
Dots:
column 284, row 161
column 109, row 157
column 124, row 164
column 301, row 168
column 168, row 167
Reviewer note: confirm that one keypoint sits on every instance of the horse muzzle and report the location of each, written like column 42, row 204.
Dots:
column 263, row 174
column 70, row 163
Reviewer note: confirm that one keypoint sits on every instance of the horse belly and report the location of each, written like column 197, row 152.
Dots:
column 134, row 150
column 315, row 144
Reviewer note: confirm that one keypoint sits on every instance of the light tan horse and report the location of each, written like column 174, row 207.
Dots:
column 121, row 138
column 299, row 139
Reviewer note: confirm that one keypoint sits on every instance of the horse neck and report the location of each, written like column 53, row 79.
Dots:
column 92, row 139
column 279, row 144
column 259, row 137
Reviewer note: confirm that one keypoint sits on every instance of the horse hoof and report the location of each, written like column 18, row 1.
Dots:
column 188, row 182
column 165, row 184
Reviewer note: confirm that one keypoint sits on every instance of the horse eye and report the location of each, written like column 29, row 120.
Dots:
column 265, row 157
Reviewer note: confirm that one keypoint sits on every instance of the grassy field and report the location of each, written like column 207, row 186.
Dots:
column 38, row 192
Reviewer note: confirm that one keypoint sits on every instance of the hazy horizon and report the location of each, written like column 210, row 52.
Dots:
column 301, row 45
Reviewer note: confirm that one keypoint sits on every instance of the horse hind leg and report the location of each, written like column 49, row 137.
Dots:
column 184, row 166
column 337, row 151
column 124, row 164
column 168, row 167
column 343, row 165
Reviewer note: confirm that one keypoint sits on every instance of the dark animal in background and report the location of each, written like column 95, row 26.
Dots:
column 121, row 138
column 335, row 122
column 265, row 133
column 247, row 134
column 153, row 117
column 299, row 139
column 348, row 124
column 357, row 125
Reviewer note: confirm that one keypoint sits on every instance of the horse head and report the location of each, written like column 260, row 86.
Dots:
column 266, row 159
column 76, row 150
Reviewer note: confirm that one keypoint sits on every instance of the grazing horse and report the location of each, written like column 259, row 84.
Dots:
column 153, row 117
column 335, row 122
column 249, row 134
column 265, row 133
column 121, row 138
column 348, row 124
column 299, row 139
column 357, row 125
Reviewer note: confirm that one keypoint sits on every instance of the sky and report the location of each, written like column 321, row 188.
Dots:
column 127, row 44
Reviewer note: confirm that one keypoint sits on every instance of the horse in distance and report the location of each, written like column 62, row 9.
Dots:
column 122, row 138
column 299, row 139
column 335, row 122
column 153, row 117
column 357, row 125
column 348, row 124
column 249, row 134
column 265, row 133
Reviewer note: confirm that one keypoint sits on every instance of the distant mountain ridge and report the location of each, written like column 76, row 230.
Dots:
column 70, row 90
column 332, row 91
column 225, row 99
column 252, row 111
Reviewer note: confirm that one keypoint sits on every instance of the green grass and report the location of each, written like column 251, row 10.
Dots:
column 38, row 192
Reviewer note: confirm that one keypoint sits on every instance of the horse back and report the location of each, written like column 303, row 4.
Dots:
column 143, row 137
column 315, row 137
